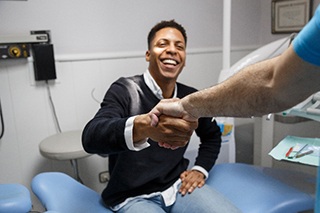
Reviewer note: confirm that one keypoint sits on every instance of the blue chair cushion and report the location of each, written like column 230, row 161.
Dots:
column 252, row 190
column 14, row 198
column 59, row 192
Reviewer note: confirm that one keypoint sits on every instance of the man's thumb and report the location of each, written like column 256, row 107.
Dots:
column 154, row 119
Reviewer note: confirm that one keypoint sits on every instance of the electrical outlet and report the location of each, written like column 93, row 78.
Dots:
column 104, row 177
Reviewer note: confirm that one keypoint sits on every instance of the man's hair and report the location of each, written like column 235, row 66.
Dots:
column 165, row 24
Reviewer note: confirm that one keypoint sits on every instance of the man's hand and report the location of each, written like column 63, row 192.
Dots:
column 191, row 179
column 171, row 107
column 170, row 132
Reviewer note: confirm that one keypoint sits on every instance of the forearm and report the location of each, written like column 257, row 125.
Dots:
column 269, row 86
column 141, row 128
column 104, row 136
column 245, row 94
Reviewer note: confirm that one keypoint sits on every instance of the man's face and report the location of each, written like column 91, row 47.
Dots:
column 167, row 54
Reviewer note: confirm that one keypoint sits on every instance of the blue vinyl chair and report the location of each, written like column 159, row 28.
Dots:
column 60, row 193
column 14, row 198
column 252, row 189
column 259, row 189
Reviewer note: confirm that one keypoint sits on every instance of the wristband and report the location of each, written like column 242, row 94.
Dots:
column 307, row 43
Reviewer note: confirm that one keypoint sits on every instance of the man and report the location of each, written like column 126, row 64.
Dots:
column 269, row 86
column 144, row 176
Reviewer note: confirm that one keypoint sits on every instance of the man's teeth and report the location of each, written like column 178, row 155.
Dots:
column 170, row 61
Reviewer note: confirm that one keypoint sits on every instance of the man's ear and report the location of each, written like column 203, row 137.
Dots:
column 147, row 55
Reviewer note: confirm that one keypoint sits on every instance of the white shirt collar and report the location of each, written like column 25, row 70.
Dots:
column 153, row 86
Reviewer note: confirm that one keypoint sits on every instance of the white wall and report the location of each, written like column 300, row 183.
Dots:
column 116, row 26
column 117, row 29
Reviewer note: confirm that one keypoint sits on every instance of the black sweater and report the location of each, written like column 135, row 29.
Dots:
column 154, row 168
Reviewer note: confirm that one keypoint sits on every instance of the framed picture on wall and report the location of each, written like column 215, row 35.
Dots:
column 290, row 16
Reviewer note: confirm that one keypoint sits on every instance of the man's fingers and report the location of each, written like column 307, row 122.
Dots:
column 168, row 146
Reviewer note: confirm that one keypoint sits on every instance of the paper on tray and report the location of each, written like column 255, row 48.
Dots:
column 279, row 152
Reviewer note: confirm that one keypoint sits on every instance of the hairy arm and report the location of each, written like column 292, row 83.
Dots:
column 269, row 86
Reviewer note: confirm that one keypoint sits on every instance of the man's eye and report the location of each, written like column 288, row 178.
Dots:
column 180, row 47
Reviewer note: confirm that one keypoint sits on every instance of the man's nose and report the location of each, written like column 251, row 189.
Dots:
column 172, row 48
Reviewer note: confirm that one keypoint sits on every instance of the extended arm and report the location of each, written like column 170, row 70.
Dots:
column 269, row 86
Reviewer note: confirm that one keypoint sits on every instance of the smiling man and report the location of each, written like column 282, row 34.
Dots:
column 146, row 177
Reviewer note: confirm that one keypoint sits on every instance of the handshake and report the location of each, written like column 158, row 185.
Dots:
column 174, row 121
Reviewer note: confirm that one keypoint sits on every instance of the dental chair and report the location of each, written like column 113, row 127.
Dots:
column 252, row 189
